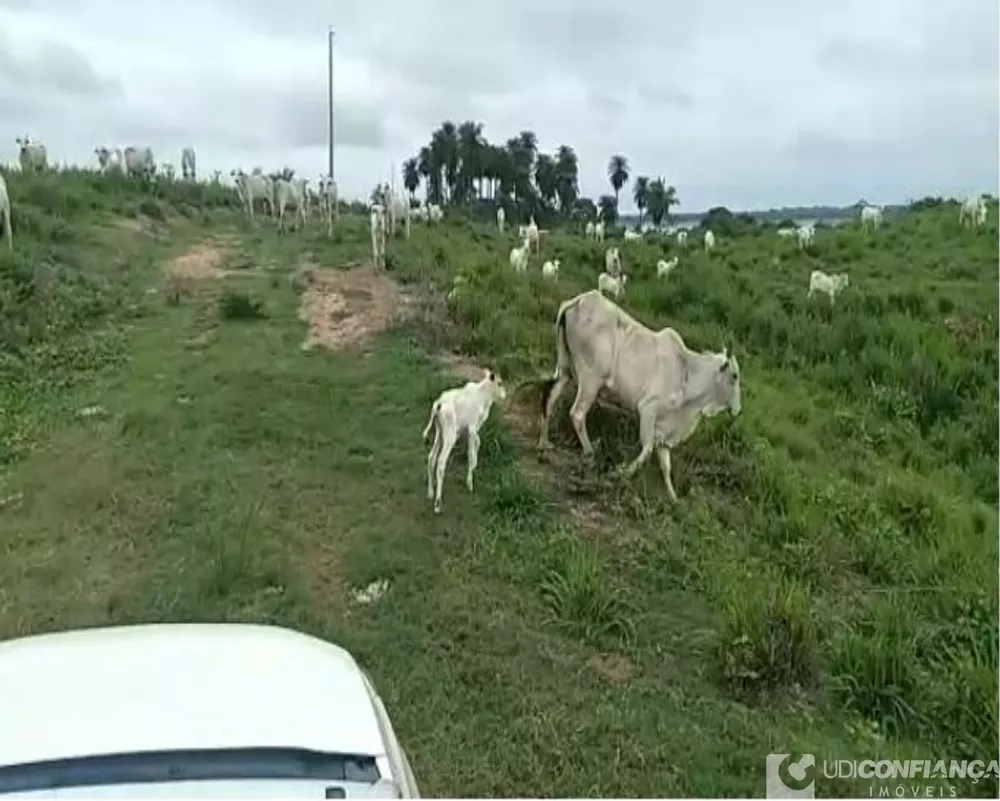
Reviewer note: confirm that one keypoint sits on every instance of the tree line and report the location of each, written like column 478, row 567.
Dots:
column 459, row 166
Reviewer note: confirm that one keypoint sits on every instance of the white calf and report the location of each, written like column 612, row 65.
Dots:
column 434, row 213
column 805, row 235
column 519, row 257
column 664, row 268
column 709, row 241
column 501, row 219
column 550, row 269
column 599, row 231
column 612, row 262
column 5, row 230
column 588, row 230
column 33, row 155
column 457, row 411
column 631, row 235
column 682, row 238
column 787, row 233
column 377, row 222
column 612, row 285
column 830, row 284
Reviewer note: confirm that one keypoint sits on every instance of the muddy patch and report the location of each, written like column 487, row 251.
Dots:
column 613, row 668
column 347, row 306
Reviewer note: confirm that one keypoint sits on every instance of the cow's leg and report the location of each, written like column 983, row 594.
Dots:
column 663, row 452
column 550, row 404
column 432, row 458
column 647, row 436
column 586, row 394
column 448, row 438
column 473, row 458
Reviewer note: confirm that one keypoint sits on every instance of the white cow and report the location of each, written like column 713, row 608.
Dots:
column 805, row 234
column 788, row 233
column 973, row 210
column 33, row 155
column 6, row 230
column 664, row 268
column 588, row 230
column 329, row 203
column 612, row 262
column 458, row 411
column 377, row 222
column 501, row 219
column 599, row 231
column 290, row 193
column 550, row 269
column 631, row 235
column 398, row 208
column 434, row 213
column 871, row 216
column 252, row 188
column 188, row 164
column 830, row 284
column 650, row 372
column 139, row 161
column 109, row 160
column 709, row 241
column 532, row 234
column 613, row 285
column 682, row 238
column 519, row 256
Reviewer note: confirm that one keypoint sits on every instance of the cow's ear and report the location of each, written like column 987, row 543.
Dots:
column 724, row 366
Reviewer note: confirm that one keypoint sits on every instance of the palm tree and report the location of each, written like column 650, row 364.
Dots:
column 546, row 177
column 411, row 176
column 618, row 173
column 608, row 209
column 660, row 198
column 566, row 179
column 470, row 156
column 426, row 170
column 640, row 193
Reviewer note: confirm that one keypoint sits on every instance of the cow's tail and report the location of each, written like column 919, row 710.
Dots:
column 564, row 361
column 433, row 419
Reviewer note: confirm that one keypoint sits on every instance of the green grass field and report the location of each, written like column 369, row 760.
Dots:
column 827, row 582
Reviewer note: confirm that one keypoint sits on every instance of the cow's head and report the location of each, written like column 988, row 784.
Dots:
column 727, row 383
column 496, row 386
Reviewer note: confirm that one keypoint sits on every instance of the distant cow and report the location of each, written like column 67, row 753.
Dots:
column 290, row 193
column 139, row 162
column 973, row 211
column 651, row 372
column 871, row 217
column 252, row 188
column 832, row 285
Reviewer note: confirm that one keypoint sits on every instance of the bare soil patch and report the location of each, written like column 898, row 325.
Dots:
column 344, row 307
column 202, row 262
column 614, row 668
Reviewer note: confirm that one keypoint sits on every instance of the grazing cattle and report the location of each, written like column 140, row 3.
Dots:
column 682, row 238
column 434, row 213
column 805, row 234
column 709, row 241
column 501, row 219
column 631, row 235
column 788, row 233
column 519, row 257
column 252, row 188
column 650, row 372
column 550, row 269
column 290, row 193
column 139, row 162
column 612, row 262
column 377, row 222
column 458, row 411
column 871, row 216
column 188, row 164
column 108, row 160
column 973, row 210
column 664, row 268
column 613, row 285
column 33, row 155
column 830, row 284
column 588, row 230
column 329, row 203
column 5, row 228
column 599, row 231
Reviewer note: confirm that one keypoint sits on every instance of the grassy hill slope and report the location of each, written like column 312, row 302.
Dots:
column 169, row 450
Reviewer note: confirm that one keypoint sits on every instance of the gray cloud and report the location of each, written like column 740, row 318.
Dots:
column 788, row 103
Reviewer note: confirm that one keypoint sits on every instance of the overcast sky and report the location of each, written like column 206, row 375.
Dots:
column 736, row 103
